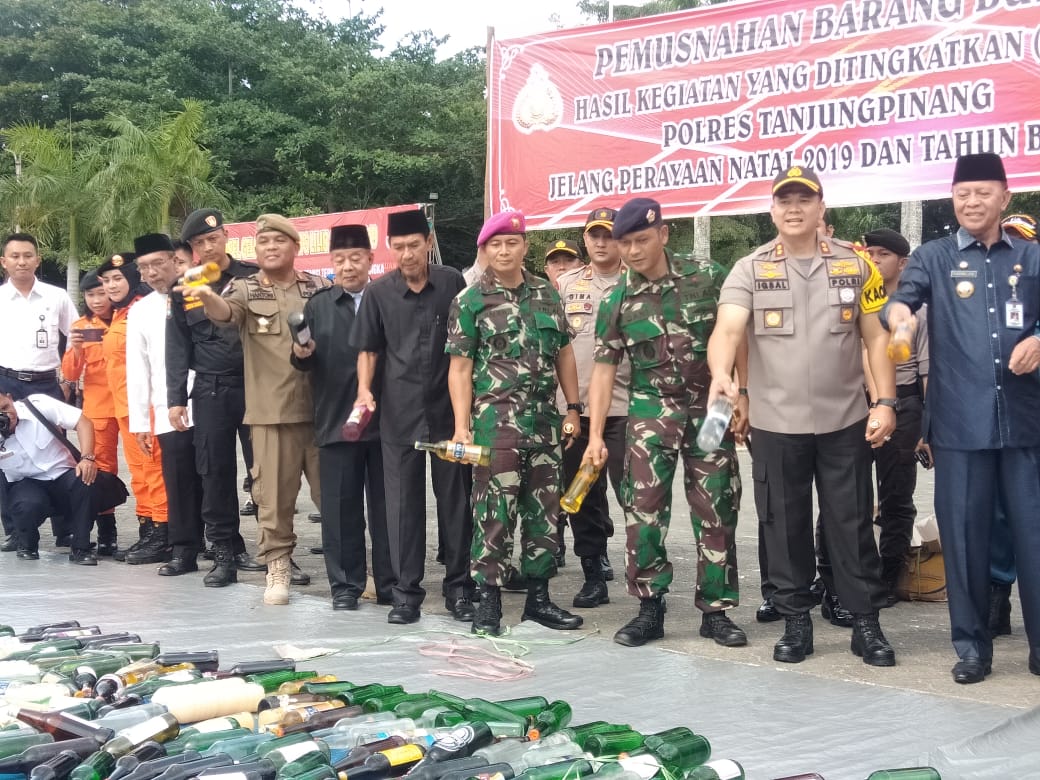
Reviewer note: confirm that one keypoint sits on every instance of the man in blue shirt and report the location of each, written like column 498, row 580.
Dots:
column 983, row 294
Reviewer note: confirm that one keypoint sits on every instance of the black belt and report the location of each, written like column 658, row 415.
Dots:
column 907, row 391
column 28, row 376
column 224, row 380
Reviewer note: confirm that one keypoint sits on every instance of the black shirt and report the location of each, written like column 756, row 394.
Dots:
column 194, row 342
column 412, row 328
column 333, row 366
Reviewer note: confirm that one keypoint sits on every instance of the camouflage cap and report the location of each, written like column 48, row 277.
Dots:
column 277, row 223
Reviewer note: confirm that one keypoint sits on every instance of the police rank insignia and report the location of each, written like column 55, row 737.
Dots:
column 561, row 245
column 774, row 318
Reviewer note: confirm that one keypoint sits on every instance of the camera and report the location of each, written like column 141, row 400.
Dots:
column 5, row 424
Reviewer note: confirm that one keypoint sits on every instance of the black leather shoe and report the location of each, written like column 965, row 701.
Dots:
column 1034, row 661
column 314, row 517
column 402, row 614
column 248, row 509
column 299, row 576
column 384, row 601
column 999, row 610
column 246, row 562
column 177, row 566
column 832, row 610
column 461, row 608
column 25, row 554
column 208, row 554
column 608, row 570
column 797, row 641
column 718, row 626
column 83, row 557
column 647, row 625
column 767, row 613
column 10, row 544
column 349, row 603
column 971, row 670
column 317, row 550
column 869, row 643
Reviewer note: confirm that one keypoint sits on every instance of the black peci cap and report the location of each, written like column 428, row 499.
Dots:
column 349, row 237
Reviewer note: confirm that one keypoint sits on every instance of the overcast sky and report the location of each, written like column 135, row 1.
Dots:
column 466, row 21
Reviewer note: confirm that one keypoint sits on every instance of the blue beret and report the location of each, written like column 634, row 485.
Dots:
column 637, row 214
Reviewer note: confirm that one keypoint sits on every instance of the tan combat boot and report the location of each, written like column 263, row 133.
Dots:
column 279, row 574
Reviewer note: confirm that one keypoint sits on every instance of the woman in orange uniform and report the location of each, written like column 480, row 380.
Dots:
column 122, row 283
column 85, row 361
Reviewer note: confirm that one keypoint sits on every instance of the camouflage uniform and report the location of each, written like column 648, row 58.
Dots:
column 663, row 326
column 513, row 338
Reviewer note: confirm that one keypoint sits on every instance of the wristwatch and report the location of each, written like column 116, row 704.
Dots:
column 88, row 457
column 890, row 402
column 578, row 407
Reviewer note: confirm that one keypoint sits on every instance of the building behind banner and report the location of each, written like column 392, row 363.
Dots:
column 314, row 238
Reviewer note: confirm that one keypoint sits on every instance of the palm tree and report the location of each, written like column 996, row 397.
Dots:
column 155, row 172
column 51, row 198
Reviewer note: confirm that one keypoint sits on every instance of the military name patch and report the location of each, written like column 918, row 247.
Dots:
column 762, row 285
column 844, row 281
column 259, row 294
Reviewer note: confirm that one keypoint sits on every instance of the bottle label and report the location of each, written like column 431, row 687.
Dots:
column 727, row 769
column 356, row 414
column 214, row 724
column 293, row 752
column 403, row 755
column 458, row 450
column 456, row 739
column 145, row 731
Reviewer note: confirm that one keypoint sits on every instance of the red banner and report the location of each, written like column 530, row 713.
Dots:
column 314, row 238
column 701, row 109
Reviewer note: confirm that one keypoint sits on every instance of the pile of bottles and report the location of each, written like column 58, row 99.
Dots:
column 78, row 704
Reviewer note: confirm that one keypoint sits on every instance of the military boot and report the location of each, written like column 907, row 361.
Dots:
column 797, row 641
column 487, row 617
column 106, row 536
column 647, row 625
column 869, row 643
column 154, row 549
column 144, row 530
column 891, row 569
column 594, row 591
column 540, row 608
column 999, row 609
column 224, row 570
column 832, row 609
column 279, row 575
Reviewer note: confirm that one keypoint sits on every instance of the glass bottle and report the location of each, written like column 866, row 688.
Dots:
column 203, row 660
column 900, row 343
column 14, row 743
column 96, row 766
column 160, row 728
column 580, row 734
column 525, row 706
column 456, row 452
column 553, row 718
column 910, row 773
column 298, row 328
column 723, row 769
column 56, row 767
column 22, row 763
column 64, row 726
column 207, row 273
column 146, row 752
column 260, row 667
column 613, row 743
column 678, row 749
column 562, row 770
column 356, row 422
column 715, row 425
column 571, row 501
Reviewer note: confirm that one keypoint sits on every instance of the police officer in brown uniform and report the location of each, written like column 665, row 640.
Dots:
column 279, row 402
column 805, row 302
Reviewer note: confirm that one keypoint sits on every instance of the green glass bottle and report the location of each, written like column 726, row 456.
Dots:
column 327, row 688
column 304, row 764
column 96, row 766
column 138, row 651
column 87, row 709
column 286, row 754
column 361, row 693
column 526, row 706
column 201, row 742
column 413, row 708
column 612, row 743
column 553, row 718
column 160, row 728
column 679, row 749
column 15, row 743
column 562, row 770
column 6, row 631
column 323, row 772
column 271, row 680
column 910, row 773
column 278, row 743
column 98, row 662
column 44, row 648
column 388, row 702
column 148, row 687
column 722, row 769
column 503, row 723
column 55, row 768
column 241, row 747
column 580, row 734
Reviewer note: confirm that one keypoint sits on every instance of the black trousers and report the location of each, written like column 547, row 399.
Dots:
column 592, row 525
column 183, row 492
column 404, row 478
column 31, row 501
column 350, row 473
column 218, row 405
column 968, row 484
column 896, row 470
column 784, row 469
column 18, row 389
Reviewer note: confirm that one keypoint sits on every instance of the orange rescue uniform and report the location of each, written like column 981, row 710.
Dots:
column 88, row 368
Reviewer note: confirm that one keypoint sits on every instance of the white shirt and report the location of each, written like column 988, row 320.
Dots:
column 33, row 451
column 146, row 365
column 22, row 347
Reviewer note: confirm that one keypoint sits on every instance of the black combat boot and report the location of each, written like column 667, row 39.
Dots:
column 540, row 608
column 647, row 625
column 224, row 571
column 106, row 536
column 487, row 617
column 144, row 530
column 869, row 643
column 999, row 609
column 594, row 591
column 155, row 548
column 797, row 641
column 832, row 610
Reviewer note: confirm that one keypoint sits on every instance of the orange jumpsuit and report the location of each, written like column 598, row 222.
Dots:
column 146, row 480
column 98, row 406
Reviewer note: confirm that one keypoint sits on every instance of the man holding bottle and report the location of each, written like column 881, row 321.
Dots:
column 508, row 340
column 351, row 468
column 403, row 321
column 807, row 304
column 659, row 317
column 279, row 403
